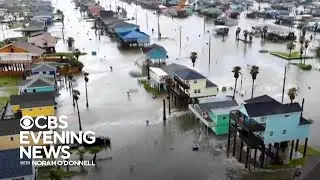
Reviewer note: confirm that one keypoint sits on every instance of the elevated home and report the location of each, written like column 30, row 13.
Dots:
column 11, row 169
column 34, row 26
column 156, row 54
column 133, row 39
column 121, row 27
column 10, row 134
column 44, row 41
column 158, row 78
column 171, row 68
column 43, row 68
column 106, row 17
column 266, row 125
column 94, row 10
column 18, row 55
column 190, row 85
column 38, row 83
column 214, row 113
column 33, row 104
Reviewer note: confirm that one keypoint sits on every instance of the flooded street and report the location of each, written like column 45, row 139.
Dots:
column 164, row 151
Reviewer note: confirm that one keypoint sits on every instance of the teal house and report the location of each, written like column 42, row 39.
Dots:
column 123, row 27
column 214, row 113
column 156, row 53
column 273, row 129
column 44, row 68
column 38, row 83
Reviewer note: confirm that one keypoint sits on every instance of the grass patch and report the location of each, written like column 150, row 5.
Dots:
column 305, row 67
column 9, row 86
column 310, row 151
column 294, row 55
column 9, row 81
column 297, row 162
column 15, row 25
column 64, row 54
column 150, row 89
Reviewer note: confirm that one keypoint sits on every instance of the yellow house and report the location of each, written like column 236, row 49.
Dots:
column 10, row 134
column 33, row 104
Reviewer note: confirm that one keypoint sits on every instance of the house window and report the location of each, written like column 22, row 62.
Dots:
column 187, row 82
column 284, row 131
column 44, row 72
column 198, row 90
column 224, row 117
column 286, row 115
column 34, row 90
column 263, row 119
column 195, row 81
column 25, row 90
column 45, row 44
column 11, row 138
column 271, row 133
column 30, row 109
column 195, row 91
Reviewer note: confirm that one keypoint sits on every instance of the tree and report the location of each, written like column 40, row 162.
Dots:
column 254, row 71
column 290, row 46
column 55, row 173
column 77, row 53
column 306, row 45
column 236, row 71
column 193, row 57
column 292, row 93
column 70, row 41
column 238, row 32
column 94, row 151
column 86, row 80
column 76, row 95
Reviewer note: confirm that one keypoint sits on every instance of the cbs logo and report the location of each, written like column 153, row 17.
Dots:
column 51, row 122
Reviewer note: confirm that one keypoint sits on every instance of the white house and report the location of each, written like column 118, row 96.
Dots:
column 199, row 85
column 158, row 78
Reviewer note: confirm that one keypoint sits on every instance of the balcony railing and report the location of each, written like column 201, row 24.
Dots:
column 181, row 83
column 179, row 92
column 249, row 125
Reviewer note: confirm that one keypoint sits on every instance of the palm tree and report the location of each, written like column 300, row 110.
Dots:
column 292, row 93
column 77, row 53
column 76, row 95
column 254, row 71
column 55, row 173
column 290, row 46
column 193, row 57
column 236, row 71
column 94, row 151
column 70, row 41
column 86, row 80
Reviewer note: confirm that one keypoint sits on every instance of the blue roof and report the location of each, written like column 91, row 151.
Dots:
column 189, row 74
column 133, row 35
column 10, row 165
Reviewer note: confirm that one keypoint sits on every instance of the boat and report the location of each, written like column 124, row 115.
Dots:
column 221, row 30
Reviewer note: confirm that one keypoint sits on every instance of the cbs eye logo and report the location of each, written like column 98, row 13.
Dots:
column 26, row 122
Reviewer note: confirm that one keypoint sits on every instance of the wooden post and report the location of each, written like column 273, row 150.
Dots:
column 255, row 159
column 305, row 147
column 297, row 144
column 241, row 146
column 291, row 151
column 229, row 136
column 234, row 141
column 164, row 110
column 262, row 161
column 247, row 157
column 284, row 83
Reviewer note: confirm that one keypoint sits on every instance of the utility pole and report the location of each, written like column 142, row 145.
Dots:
column 204, row 24
column 284, row 82
column 209, row 49
column 159, row 34
column 180, row 36
column 147, row 19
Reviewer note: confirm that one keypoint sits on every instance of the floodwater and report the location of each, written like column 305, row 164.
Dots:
column 164, row 151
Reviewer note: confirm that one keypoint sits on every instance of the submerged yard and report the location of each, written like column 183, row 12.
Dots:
column 8, row 86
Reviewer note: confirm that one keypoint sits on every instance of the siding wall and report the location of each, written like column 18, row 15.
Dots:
column 6, row 143
column 40, row 89
column 38, row 111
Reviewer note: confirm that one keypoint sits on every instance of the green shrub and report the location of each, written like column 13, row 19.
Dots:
column 224, row 89
column 305, row 67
